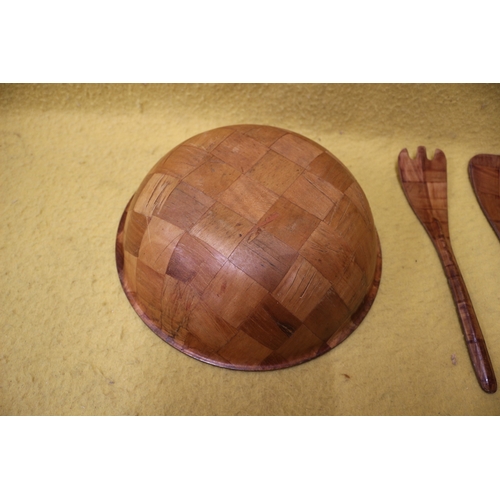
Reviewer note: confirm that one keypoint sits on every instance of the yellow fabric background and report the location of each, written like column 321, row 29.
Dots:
column 70, row 343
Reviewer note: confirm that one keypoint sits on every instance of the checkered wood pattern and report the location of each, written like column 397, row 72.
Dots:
column 484, row 174
column 249, row 247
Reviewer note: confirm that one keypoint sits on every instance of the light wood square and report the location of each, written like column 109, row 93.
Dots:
column 135, row 225
column 210, row 328
column 158, row 243
column 324, row 186
column 222, row 228
column 211, row 139
column 264, row 257
column 266, row 135
column 233, row 295
column 149, row 285
column 297, row 149
column 185, row 206
column 289, row 223
column 213, row 177
column 327, row 252
column 196, row 194
column 275, row 172
column 182, row 160
column 302, row 288
column 340, row 213
column 248, row 198
column 155, row 193
column 328, row 168
column 307, row 196
column 351, row 285
column 130, row 268
column 177, row 303
column 240, row 151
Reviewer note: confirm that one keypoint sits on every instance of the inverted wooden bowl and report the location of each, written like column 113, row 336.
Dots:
column 249, row 247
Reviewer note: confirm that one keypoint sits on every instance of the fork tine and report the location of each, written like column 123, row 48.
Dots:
column 410, row 170
column 403, row 157
column 435, row 170
column 440, row 158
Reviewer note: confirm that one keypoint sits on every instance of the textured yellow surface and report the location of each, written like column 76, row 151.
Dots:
column 71, row 344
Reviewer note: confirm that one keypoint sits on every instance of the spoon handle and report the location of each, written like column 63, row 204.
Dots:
column 473, row 335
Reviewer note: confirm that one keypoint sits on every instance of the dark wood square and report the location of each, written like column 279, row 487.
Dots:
column 195, row 262
column 271, row 324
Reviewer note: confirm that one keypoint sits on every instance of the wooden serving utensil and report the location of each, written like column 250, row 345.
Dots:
column 484, row 175
column 425, row 186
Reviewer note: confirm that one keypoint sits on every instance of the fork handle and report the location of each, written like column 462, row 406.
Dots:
column 473, row 335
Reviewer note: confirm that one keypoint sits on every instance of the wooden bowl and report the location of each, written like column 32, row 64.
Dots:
column 249, row 247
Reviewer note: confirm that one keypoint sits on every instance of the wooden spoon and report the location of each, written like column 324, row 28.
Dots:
column 484, row 175
column 424, row 184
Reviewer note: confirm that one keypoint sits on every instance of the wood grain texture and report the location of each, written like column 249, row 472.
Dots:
column 249, row 247
column 425, row 186
column 484, row 175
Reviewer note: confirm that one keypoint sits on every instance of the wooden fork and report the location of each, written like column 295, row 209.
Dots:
column 425, row 186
